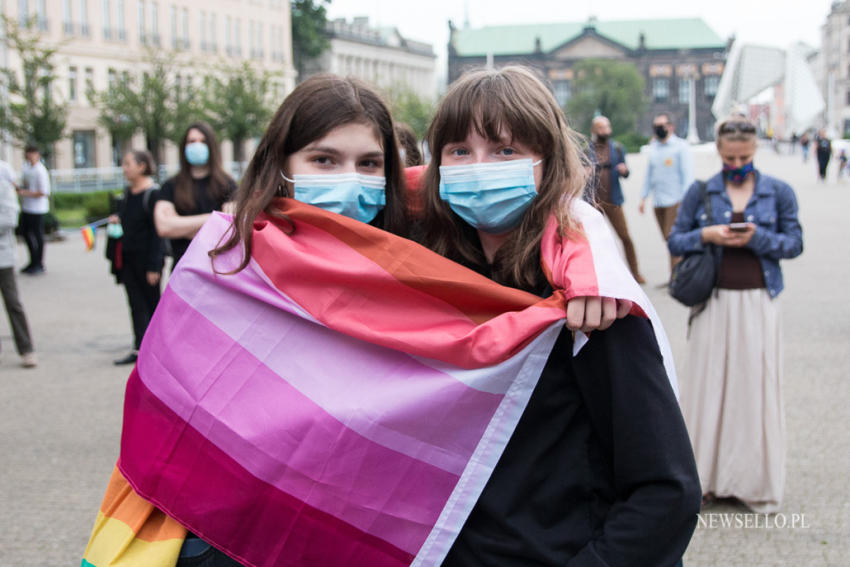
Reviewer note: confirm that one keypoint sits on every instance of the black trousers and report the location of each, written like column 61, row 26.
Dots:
column 32, row 229
column 141, row 296
column 15, row 311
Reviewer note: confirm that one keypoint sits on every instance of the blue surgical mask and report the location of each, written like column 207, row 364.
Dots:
column 489, row 196
column 354, row 195
column 197, row 153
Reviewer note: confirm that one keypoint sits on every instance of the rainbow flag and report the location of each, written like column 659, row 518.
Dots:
column 344, row 399
column 88, row 236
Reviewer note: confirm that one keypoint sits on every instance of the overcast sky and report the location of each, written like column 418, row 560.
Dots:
column 767, row 22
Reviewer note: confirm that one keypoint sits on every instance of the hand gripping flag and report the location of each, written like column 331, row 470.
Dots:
column 344, row 399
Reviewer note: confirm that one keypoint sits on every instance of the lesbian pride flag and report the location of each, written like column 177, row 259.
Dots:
column 344, row 398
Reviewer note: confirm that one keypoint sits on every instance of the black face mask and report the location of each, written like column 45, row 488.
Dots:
column 660, row 131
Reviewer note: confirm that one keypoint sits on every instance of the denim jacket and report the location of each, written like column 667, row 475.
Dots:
column 773, row 209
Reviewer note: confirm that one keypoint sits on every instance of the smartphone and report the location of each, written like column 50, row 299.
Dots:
column 738, row 227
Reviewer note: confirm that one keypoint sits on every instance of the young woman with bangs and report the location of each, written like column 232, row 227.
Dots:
column 599, row 470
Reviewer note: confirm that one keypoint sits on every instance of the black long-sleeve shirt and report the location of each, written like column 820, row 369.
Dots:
column 140, row 237
column 600, row 470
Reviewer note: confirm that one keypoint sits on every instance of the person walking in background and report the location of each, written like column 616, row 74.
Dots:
column 141, row 255
column 669, row 173
column 823, row 152
column 842, row 163
column 199, row 188
column 609, row 161
column 8, row 286
column 804, row 146
column 732, row 391
column 34, row 205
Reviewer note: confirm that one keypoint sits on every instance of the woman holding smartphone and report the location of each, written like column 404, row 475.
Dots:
column 732, row 392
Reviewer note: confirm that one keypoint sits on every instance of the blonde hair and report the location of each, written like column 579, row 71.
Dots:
column 491, row 102
column 736, row 128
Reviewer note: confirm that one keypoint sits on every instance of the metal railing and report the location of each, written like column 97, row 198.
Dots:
column 89, row 180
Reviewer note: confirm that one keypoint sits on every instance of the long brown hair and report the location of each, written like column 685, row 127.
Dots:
column 316, row 106
column 220, row 182
column 490, row 102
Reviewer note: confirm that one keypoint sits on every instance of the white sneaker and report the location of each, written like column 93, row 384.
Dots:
column 29, row 360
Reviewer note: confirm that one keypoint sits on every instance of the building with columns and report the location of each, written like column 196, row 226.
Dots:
column 380, row 56
column 833, row 69
column 668, row 54
column 101, row 40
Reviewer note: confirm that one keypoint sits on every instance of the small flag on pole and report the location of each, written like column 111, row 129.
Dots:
column 88, row 236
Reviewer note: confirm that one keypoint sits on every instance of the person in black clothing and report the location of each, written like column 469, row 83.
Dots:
column 139, row 255
column 199, row 188
column 823, row 151
column 599, row 470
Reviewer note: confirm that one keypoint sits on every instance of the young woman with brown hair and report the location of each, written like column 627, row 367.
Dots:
column 599, row 469
column 199, row 188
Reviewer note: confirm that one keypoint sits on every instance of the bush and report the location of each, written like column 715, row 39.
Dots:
column 96, row 205
column 632, row 141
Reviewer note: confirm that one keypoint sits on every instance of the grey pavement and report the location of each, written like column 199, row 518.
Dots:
column 60, row 423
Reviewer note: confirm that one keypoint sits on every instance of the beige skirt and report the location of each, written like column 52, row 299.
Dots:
column 731, row 396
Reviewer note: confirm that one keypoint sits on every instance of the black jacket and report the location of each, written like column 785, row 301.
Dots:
column 600, row 470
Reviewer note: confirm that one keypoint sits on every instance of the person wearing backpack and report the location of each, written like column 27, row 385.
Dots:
column 609, row 161
column 138, row 256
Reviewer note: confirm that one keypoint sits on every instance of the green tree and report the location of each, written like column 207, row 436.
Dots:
column 33, row 113
column 235, row 103
column 308, row 31
column 407, row 106
column 158, row 103
column 611, row 88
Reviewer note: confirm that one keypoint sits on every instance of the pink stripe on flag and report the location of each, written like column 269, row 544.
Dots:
column 388, row 396
column 287, row 440
column 258, row 524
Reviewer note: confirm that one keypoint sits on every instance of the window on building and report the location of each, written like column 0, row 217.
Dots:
column 185, row 26
column 107, row 19
column 67, row 19
column 711, row 83
column 660, row 89
column 119, row 19
column 111, row 77
column 72, row 83
column 83, row 148
column 847, row 128
column 89, row 81
column 684, row 90
column 175, row 40
column 847, row 100
column 212, row 41
column 203, row 36
column 563, row 92
column 84, row 17
column 154, row 25
column 237, row 36
column 23, row 11
column 41, row 14
column 228, row 23
column 143, row 36
column 260, row 48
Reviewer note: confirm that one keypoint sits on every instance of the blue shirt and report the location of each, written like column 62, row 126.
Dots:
column 772, row 208
column 670, row 171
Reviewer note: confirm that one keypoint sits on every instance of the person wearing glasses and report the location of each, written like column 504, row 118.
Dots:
column 669, row 173
column 731, row 391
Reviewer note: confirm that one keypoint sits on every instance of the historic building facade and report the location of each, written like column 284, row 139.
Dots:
column 667, row 53
column 101, row 40
column 380, row 56
column 833, row 69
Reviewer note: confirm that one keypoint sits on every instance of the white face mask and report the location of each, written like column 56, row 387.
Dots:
column 354, row 195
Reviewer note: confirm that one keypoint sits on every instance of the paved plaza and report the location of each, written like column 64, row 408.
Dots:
column 60, row 423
